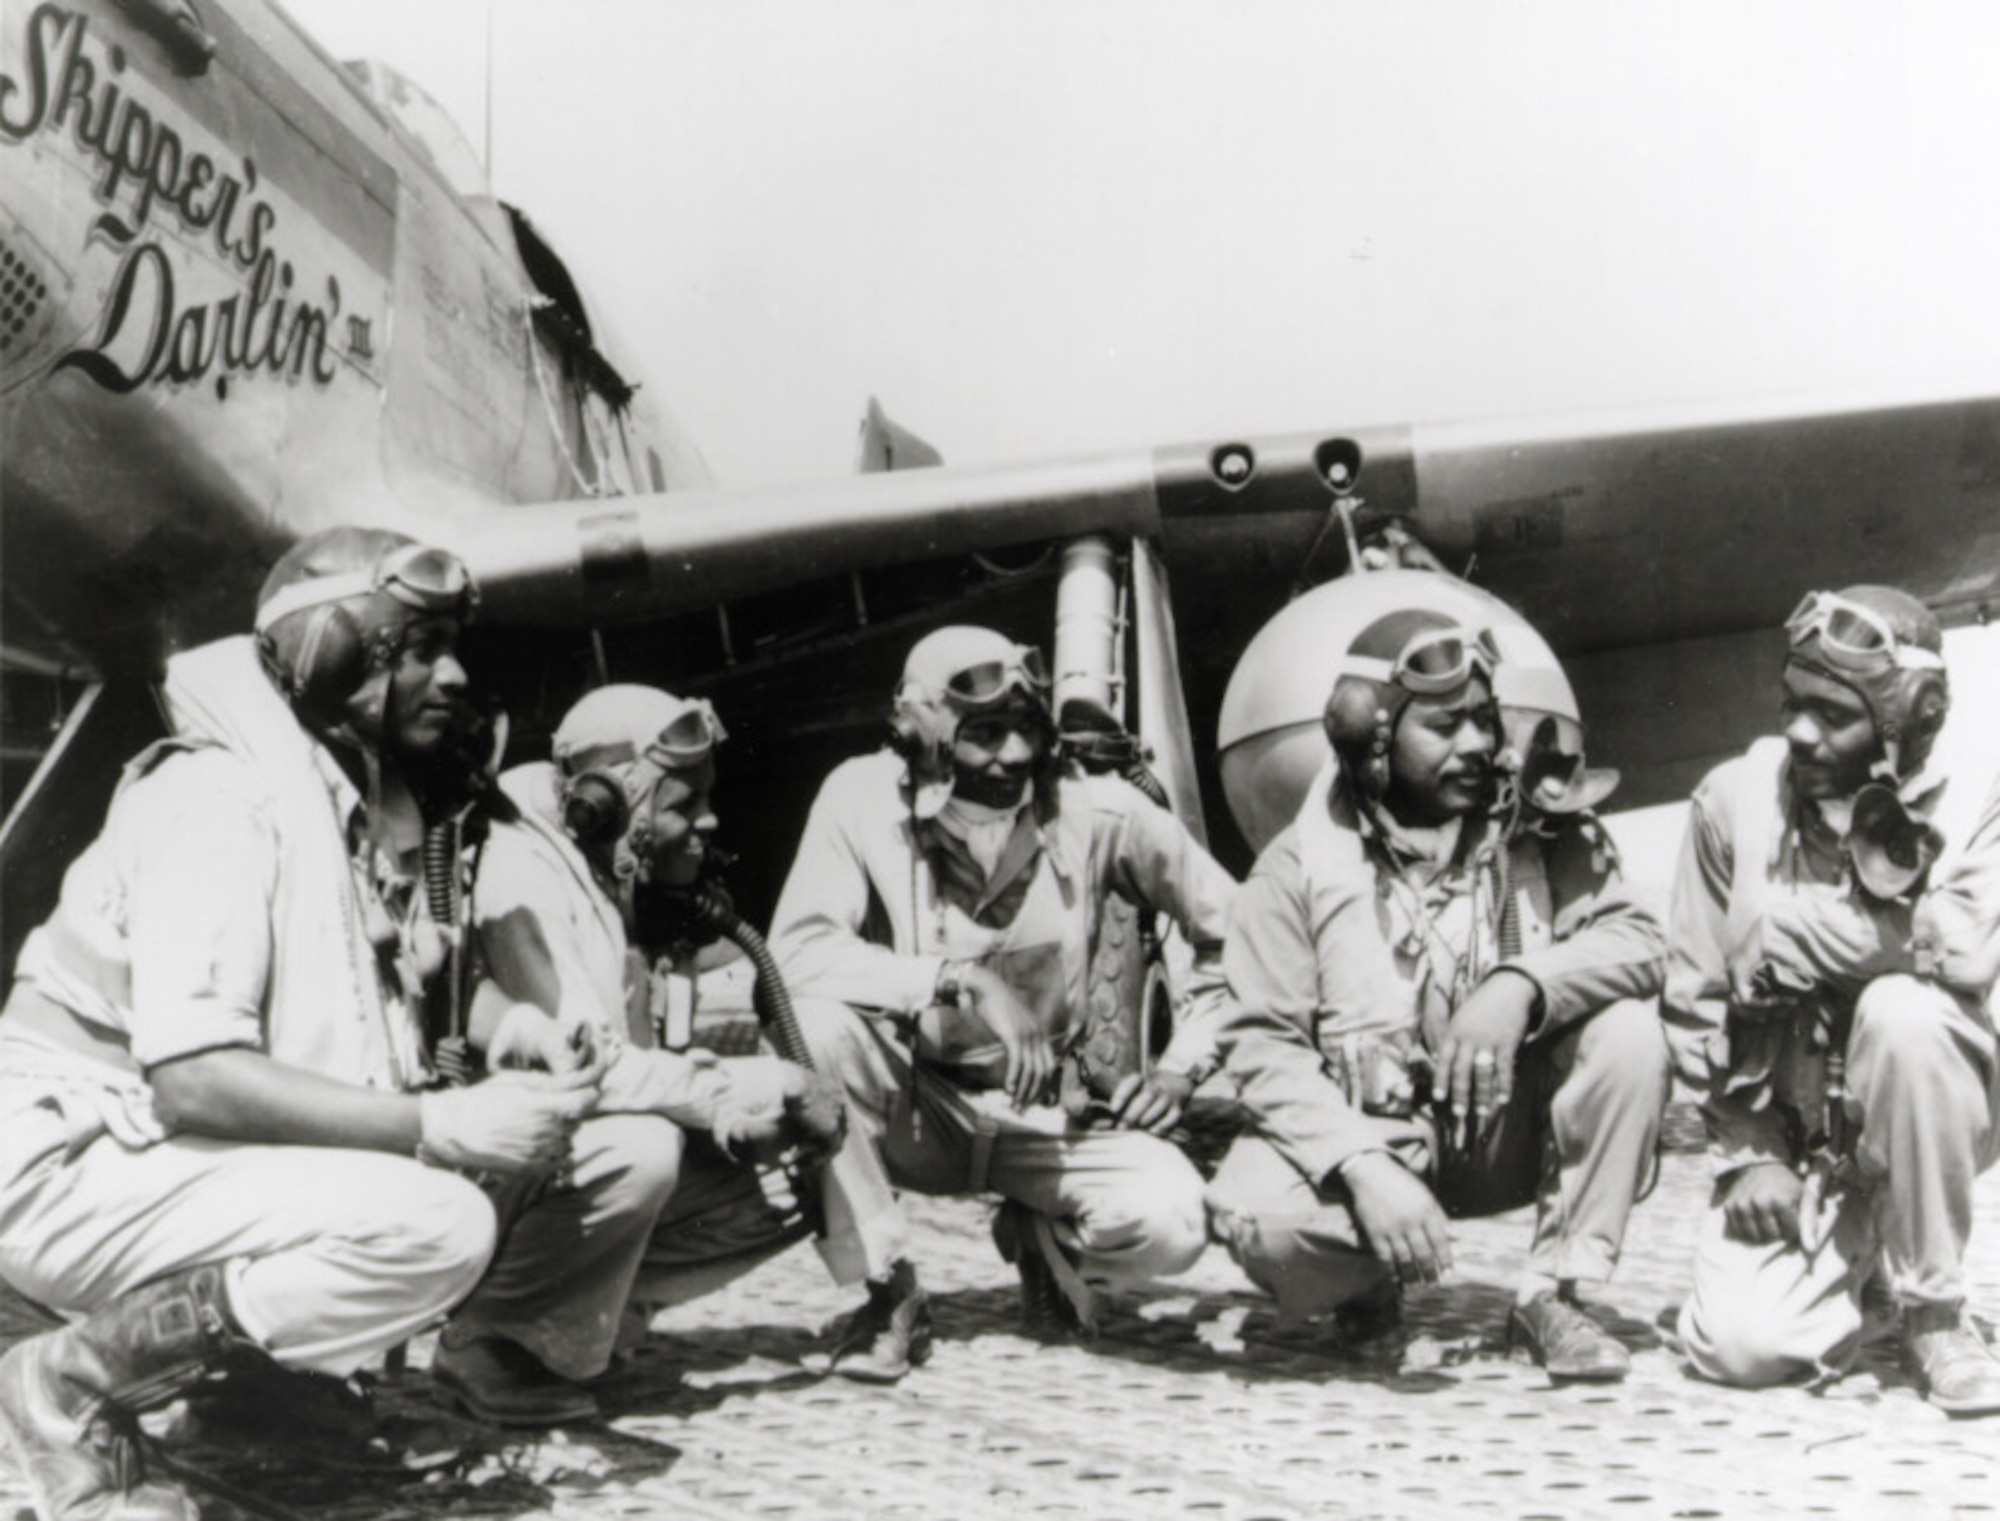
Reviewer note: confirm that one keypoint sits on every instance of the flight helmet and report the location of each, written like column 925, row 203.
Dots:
column 615, row 746
column 1887, row 648
column 949, row 675
column 333, row 615
column 1410, row 653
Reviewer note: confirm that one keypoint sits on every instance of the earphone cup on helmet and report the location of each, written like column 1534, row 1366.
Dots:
column 327, row 658
column 1927, row 707
column 905, row 733
column 594, row 808
column 917, row 725
column 1352, row 714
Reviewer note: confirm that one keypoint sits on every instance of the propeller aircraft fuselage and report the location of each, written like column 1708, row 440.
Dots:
column 247, row 292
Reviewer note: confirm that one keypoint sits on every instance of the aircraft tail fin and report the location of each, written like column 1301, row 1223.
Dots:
column 887, row 445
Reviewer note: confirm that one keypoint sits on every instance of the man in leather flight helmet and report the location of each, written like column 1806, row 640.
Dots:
column 938, row 928
column 1850, row 1094
column 218, row 1149
column 1439, row 1007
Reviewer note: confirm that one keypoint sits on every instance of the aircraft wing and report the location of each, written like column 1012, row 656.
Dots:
column 626, row 560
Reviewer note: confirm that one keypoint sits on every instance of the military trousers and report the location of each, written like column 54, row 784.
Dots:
column 1578, row 1138
column 331, row 1256
column 1922, row 1070
column 643, row 1215
column 1126, row 1207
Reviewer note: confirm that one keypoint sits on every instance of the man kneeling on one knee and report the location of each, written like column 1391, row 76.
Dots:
column 947, row 897
column 660, row 1200
column 218, row 1147
column 1849, row 1094
column 1440, row 1006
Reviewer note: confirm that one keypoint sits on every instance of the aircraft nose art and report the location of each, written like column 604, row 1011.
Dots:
column 31, row 295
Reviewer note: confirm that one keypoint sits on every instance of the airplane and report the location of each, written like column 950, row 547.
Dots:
column 247, row 292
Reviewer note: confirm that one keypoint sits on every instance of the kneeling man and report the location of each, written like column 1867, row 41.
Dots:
column 1440, row 1006
column 1850, row 1095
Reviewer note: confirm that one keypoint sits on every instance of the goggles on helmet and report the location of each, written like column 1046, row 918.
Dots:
column 992, row 681
column 428, row 580
column 688, row 739
column 1855, row 638
column 1442, row 660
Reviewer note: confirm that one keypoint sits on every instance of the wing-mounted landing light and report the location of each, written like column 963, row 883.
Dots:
column 628, row 560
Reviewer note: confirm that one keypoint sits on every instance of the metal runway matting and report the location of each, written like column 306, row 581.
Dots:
column 1192, row 1402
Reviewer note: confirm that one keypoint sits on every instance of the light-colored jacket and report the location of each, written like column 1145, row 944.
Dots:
column 1339, row 943
column 566, row 952
column 1763, row 880
column 220, row 905
column 877, row 901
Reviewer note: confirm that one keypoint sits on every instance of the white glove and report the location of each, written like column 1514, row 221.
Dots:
column 772, row 1106
column 750, row 1114
column 509, row 1123
column 528, row 1038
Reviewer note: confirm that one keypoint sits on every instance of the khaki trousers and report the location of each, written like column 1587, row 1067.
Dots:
column 1124, row 1205
column 332, row 1256
column 1578, row 1139
column 645, row 1216
column 1921, row 1074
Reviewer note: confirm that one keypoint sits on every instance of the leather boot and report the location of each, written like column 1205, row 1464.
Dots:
column 1555, row 1332
column 1054, row 1300
column 1960, row 1373
column 68, row 1398
column 890, row 1334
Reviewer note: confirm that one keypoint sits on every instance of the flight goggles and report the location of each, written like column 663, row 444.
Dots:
column 1440, row 660
column 688, row 739
column 992, row 681
column 427, row 580
column 1855, row 638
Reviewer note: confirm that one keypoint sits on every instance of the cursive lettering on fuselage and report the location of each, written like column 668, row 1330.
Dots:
column 144, row 168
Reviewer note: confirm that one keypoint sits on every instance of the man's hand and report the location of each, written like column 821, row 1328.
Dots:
column 1760, row 1204
column 1152, row 1101
column 529, row 1039
column 772, row 1106
column 1476, row 1064
column 1031, row 1056
column 513, row 1122
column 1400, row 1218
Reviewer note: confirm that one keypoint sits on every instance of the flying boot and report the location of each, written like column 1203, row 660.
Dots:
column 890, row 1334
column 69, row 1398
column 1054, row 1298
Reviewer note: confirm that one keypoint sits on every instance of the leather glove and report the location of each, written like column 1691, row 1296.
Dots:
column 772, row 1106
column 510, row 1123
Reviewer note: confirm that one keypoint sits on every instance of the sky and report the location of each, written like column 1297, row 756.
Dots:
column 1052, row 227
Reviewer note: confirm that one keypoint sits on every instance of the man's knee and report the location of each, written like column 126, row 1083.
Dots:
column 448, row 1231
column 1624, row 1047
column 1174, row 1227
column 628, row 1163
column 1745, row 1345
column 1904, row 1025
column 1302, row 1260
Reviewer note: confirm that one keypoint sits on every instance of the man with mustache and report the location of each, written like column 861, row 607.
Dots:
column 939, row 926
column 1439, row 1007
column 661, row 1199
column 218, row 1142
column 1831, row 1016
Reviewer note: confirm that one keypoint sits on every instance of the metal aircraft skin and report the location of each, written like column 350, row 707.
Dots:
column 247, row 292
